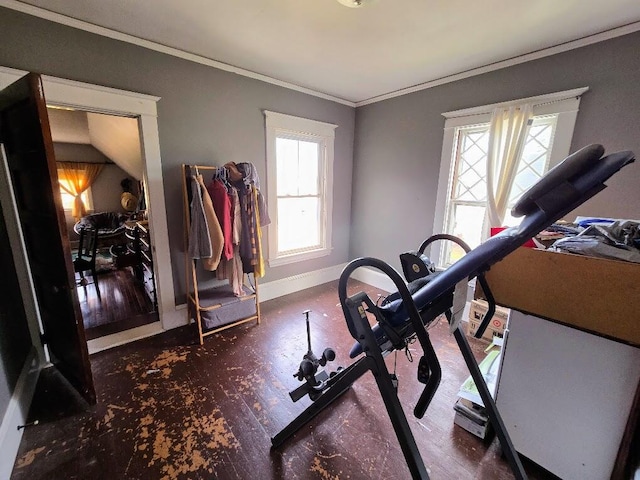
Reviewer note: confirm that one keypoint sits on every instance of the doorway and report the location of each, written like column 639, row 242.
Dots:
column 102, row 151
column 94, row 98
column 38, row 233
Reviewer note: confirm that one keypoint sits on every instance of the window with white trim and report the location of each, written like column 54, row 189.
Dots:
column 462, row 191
column 68, row 199
column 299, row 187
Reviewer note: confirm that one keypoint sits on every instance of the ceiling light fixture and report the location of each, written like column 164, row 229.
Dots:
column 352, row 3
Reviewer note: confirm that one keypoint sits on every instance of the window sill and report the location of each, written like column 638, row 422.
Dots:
column 298, row 257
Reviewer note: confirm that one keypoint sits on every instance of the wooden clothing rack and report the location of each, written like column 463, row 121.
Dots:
column 216, row 305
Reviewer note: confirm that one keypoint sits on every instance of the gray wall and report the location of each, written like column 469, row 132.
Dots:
column 206, row 116
column 106, row 191
column 399, row 141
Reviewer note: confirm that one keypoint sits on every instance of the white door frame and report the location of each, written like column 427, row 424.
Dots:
column 94, row 98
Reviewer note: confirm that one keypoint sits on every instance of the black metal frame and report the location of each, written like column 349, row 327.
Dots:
column 355, row 310
column 578, row 178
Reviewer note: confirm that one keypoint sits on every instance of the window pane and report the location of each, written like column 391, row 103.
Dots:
column 535, row 158
column 466, row 224
column 298, row 223
column 287, row 166
column 510, row 221
column 68, row 199
column 471, row 164
column 297, row 167
column 308, row 168
column 469, row 182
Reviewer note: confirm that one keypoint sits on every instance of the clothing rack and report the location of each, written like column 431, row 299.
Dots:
column 216, row 300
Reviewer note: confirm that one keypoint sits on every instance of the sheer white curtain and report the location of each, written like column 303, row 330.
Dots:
column 507, row 134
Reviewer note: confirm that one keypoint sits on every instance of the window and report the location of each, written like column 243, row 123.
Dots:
column 462, row 195
column 68, row 199
column 299, row 174
column 76, row 178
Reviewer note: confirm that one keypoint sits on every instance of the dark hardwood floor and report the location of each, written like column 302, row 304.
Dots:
column 169, row 408
column 123, row 303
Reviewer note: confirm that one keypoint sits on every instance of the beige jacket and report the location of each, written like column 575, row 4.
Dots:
column 215, row 231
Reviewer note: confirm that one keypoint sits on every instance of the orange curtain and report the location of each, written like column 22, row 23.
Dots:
column 78, row 178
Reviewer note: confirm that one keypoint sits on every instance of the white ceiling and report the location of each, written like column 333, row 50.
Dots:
column 353, row 54
column 117, row 138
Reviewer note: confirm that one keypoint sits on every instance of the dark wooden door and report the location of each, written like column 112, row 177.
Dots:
column 15, row 341
column 26, row 141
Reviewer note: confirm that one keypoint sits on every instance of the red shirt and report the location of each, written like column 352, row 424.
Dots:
column 222, row 206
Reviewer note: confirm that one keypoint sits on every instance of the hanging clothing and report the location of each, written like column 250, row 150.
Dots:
column 199, row 241
column 215, row 231
column 232, row 214
column 233, row 267
column 245, row 234
column 253, row 210
column 253, row 230
column 250, row 177
column 236, row 219
column 248, row 248
column 259, row 270
column 222, row 206
column 235, row 273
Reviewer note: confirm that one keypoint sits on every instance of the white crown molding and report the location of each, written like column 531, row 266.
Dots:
column 124, row 37
column 106, row 32
column 546, row 52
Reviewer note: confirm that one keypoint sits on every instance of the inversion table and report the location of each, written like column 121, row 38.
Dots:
column 405, row 314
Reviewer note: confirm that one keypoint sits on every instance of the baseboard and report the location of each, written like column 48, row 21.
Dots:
column 295, row 283
column 285, row 286
column 178, row 318
column 114, row 340
column 16, row 414
column 267, row 291
column 375, row 278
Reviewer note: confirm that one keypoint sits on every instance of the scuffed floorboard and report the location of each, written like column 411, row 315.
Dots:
column 171, row 409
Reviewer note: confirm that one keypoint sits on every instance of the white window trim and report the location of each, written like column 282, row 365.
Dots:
column 276, row 123
column 566, row 104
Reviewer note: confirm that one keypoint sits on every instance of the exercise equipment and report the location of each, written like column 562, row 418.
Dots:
column 425, row 294
column 315, row 382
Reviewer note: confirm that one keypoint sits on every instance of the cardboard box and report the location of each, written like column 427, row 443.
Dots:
column 489, row 333
column 497, row 325
column 479, row 429
column 470, row 412
column 596, row 295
